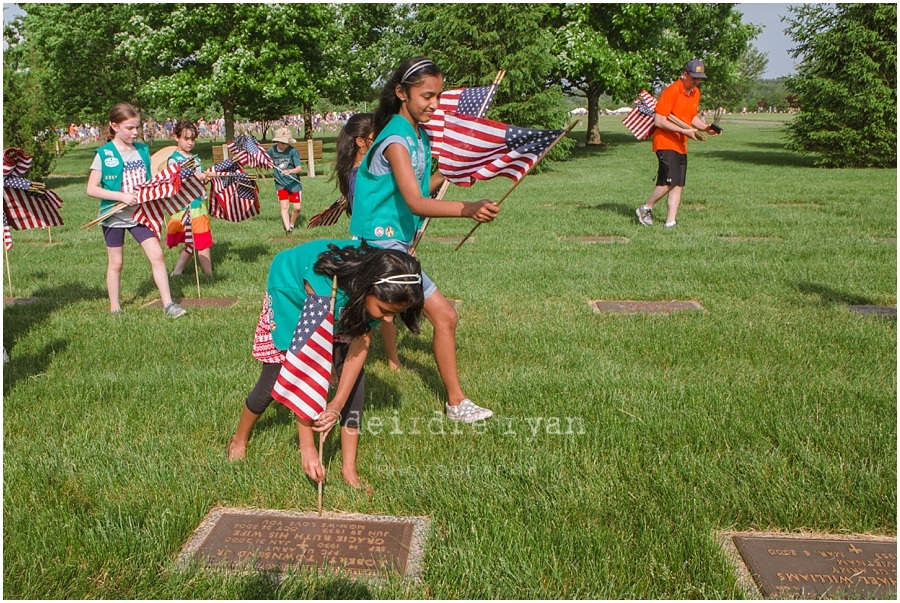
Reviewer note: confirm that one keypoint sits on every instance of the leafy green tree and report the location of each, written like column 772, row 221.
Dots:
column 471, row 42
column 27, row 123
column 235, row 55
column 846, row 83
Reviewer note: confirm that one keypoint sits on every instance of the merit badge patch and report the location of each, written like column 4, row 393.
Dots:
column 389, row 231
column 111, row 162
column 379, row 231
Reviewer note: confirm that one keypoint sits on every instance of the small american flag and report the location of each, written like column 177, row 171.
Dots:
column 15, row 162
column 188, row 231
column 640, row 121
column 330, row 216
column 234, row 196
column 7, row 236
column 246, row 151
column 480, row 149
column 25, row 210
column 302, row 384
column 463, row 101
column 159, row 197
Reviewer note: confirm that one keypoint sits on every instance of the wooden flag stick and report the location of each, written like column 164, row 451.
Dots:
column 117, row 207
column 8, row 279
column 196, row 271
column 700, row 135
column 544, row 154
column 443, row 190
column 49, row 236
column 325, row 434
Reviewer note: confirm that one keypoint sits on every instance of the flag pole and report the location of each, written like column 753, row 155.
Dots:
column 443, row 190
column 50, row 236
column 196, row 270
column 8, row 278
column 568, row 129
column 325, row 434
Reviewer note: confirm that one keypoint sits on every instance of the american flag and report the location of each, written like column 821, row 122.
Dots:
column 463, row 101
column 246, row 151
column 234, row 196
column 640, row 121
column 25, row 210
column 330, row 216
column 188, row 231
column 302, row 384
column 480, row 149
column 159, row 197
column 15, row 162
column 7, row 237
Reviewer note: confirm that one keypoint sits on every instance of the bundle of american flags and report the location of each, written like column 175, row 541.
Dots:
column 188, row 231
column 475, row 148
column 463, row 101
column 15, row 162
column 302, row 383
column 246, row 151
column 640, row 121
column 28, row 204
column 330, row 216
column 234, row 194
column 167, row 193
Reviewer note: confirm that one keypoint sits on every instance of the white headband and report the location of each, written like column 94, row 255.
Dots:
column 415, row 68
column 402, row 279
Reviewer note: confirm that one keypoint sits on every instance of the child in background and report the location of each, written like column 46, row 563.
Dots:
column 393, row 190
column 118, row 168
column 373, row 284
column 185, row 136
column 287, row 163
column 354, row 140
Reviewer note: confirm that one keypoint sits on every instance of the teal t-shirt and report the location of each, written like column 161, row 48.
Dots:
column 379, row 210
column 286, row 290
column 288, row 160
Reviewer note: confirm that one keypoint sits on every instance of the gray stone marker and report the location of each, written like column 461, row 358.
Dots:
column 18, row 301
column 360, row 546
column 598, row 239
column 739, row 239
column 640, row 307
column 889, row 311
column 203, row 302
column 446, row 239
column 816, row 566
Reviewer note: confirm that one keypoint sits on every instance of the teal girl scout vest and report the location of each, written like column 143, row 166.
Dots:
column 111, row 167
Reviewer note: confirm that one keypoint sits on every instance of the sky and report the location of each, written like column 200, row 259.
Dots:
column 771, row 41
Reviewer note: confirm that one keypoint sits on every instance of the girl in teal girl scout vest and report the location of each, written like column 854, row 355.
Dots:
column 393, row 188
column 118, row 169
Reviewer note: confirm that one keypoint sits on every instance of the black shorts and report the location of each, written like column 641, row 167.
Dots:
column 260, row 396
column 115, row 237
column 672, row 168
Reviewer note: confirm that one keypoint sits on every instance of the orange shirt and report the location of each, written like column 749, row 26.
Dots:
column 675, row 101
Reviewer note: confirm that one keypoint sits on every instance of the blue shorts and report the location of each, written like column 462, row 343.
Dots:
column 428, row 286
column 115, row 237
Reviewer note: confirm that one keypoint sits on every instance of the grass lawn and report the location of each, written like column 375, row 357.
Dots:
column 621, row 444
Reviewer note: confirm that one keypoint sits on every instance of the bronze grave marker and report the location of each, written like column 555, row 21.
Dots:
column 597, row 239
column 18, row 301
column 638, row 307
column 801, row 566
column 203, row 302
column 358, row 545
column 889, row 311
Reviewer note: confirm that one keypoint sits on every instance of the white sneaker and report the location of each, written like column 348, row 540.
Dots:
column 467, row 412
column 645, row 215
column 173, row 310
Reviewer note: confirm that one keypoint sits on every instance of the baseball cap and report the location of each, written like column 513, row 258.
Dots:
column 696, row 69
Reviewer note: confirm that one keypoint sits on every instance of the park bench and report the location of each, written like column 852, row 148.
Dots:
column 304, row 148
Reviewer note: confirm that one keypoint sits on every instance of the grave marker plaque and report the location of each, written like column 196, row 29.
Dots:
column 203, row 302
column 639, row 307
column 359, row 545
column 890, row 311
column 808, row 567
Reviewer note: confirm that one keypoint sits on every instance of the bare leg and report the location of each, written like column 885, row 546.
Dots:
column 295, row 213
column 237, row 447
column 182, row 262
column 113, row 276
column 158, row 265
column 284, row 213
column 203, row 256
column 389, row 337
column 444, row 319
column 673, row 203
column 349, row 445
column 658, row 193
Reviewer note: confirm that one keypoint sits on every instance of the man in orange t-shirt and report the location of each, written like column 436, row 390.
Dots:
column 681, row 99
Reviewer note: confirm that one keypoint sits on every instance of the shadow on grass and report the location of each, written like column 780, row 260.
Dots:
column 831, row 296
column 616, row 208
column 763, row 158
column 61, row 181
column 428, row 373
column 18, row 321
column 247, row 254
column 264, row 584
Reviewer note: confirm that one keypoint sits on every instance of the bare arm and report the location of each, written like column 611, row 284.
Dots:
column 356, row 358
column 398, row 158
column 95, row 190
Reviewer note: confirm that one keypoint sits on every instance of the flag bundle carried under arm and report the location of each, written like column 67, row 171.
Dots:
column 26, row 209
column 302, row 384
column 7, row 237
column 15, row 162
column 246, row 151
column 640, row 121
column 464, row 101
column 480, row 149
column 234, row 194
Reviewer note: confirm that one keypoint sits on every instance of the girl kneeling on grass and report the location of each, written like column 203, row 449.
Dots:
column 373, row 284
column 393, row 189
column 118, row 169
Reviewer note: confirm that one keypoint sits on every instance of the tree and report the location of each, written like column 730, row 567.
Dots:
column 471, row 42
column 846, row 83
column 235, row 55
column 618, row 49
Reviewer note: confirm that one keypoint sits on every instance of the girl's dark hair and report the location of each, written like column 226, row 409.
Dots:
column 358, row 269
column 390, row 102
column 119, row 113
column 360, row 125
column 183, row 125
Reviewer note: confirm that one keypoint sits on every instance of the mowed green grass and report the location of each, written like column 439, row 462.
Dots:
column 620, row 446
